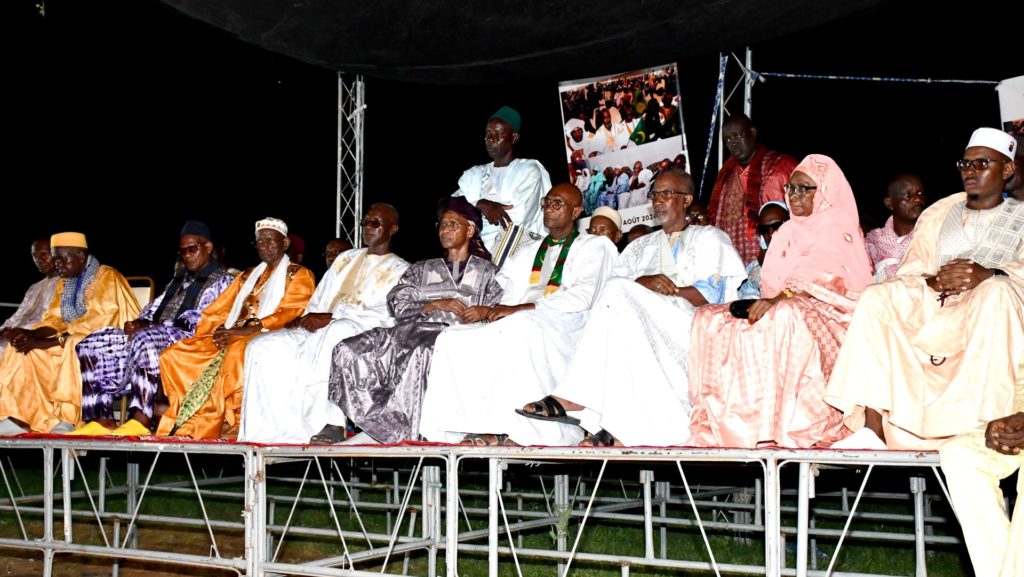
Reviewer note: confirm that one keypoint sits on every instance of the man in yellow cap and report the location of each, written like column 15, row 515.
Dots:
column 40, row 381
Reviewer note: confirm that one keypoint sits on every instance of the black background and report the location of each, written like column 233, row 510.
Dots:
column 124, row 118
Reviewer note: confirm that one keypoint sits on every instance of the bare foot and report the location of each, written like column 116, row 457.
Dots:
column 873, row 421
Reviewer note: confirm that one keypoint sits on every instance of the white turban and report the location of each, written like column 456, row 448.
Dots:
column 573, row 124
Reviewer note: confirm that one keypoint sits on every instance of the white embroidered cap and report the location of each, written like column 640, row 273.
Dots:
column 273, row 224
column 609, row 213
column 995, row 139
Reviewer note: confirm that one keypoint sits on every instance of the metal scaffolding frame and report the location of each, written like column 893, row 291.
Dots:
column 422, row 497
column 349, row 193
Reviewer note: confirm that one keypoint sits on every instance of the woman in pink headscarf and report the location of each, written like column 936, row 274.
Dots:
column 759, row 381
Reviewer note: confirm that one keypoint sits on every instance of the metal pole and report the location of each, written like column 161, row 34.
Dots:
column 340, row 159
column 360, row 87
column 662, row 490
column 561, row 512
column 48, row 510
column 748, row 85
column 451, row 534
column 772, row 524
column 917, row 487
column 494, row 476
column 431, row 514
column 102, row 488
column 802, row 515
column 66, row 471
column 257, row 538
column 646, row 478
column 132, row 499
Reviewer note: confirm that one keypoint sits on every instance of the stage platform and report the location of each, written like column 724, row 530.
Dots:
column 427, row 509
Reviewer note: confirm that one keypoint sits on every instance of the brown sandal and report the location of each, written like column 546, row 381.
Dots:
column 488, row 440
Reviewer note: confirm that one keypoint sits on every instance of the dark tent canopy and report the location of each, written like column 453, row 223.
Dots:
column 452, row 41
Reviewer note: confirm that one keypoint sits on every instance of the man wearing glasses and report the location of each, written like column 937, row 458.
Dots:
column 507, row 190
column 481, row 373
column 118, row 362
column 287, row 371
column 886, row 245
column 262, row 299
column 752, row 176
column 935, row 351
column 627, row 383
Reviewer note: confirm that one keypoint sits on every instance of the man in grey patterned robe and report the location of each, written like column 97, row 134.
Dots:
column 378, row 377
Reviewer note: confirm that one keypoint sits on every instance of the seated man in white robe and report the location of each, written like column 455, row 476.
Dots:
column 37, row 298
column 974, row 463
column 508, row 190
column 287, row 371
column 628, row 379
column 481, row 372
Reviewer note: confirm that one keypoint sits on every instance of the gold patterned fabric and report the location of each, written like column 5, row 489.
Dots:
column 44, row 386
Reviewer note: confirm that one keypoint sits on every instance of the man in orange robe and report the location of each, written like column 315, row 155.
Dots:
column 261, row 299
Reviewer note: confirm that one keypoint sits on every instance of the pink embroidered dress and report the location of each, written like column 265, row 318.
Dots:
column 762, row 384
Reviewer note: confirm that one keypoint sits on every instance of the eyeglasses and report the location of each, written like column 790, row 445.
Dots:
column 700, row 217
column 600, row 231
column 187, row 250
column 371, row 222
column 977, row 164
column 449, row 225
column 791, row 190
column 763, row 229
column 666, row 194
column 552, row 203
column 265, row 242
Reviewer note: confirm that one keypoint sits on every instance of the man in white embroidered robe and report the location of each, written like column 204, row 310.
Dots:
column 629, row 375
column 482, row 372
column 508, row 190
column 934, row 352
column 287, row 372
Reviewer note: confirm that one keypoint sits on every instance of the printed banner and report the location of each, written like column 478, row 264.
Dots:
column 620, row 131
column 1011, row 105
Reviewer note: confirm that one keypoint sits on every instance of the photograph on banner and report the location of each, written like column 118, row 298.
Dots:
column 620, row 131
column 1011, row 105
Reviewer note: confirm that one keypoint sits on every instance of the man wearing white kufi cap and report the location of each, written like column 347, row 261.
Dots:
column 40, row 380
column 259, row 300
column 935, row 351
column 606, row 221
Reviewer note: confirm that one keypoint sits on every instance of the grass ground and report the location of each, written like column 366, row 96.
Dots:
column 606, row 537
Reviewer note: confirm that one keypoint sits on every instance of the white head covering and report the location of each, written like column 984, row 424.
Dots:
column 778, row 203
column 609, row 213
column 995, row 139
column 573, row 124
column 273, row 224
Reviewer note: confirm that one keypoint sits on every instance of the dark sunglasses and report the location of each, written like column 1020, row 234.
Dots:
column 763, row 229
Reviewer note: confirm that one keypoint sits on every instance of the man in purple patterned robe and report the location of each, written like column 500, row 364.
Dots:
column 117, row 362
